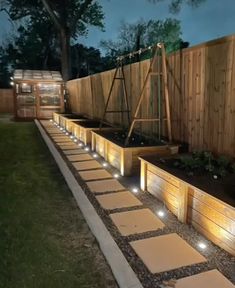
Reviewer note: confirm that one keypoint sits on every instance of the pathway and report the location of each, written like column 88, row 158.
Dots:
column 165, row 253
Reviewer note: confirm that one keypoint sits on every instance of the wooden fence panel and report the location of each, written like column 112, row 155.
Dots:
column 201, row 83
column 6, row 101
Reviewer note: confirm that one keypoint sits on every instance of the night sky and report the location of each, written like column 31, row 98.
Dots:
column 213, row 19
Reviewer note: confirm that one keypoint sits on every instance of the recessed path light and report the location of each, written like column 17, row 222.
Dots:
column 116, row 175
column 161, row 213
column 135, row 190
column 202, row 245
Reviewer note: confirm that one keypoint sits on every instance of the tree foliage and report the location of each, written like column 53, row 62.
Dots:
column 175, row 5
column 141, row 34
column 68, row 18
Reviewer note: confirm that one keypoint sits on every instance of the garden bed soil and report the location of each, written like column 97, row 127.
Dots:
column 111, row 146
column 119, row 137
column 221, row 188
column 92, row 124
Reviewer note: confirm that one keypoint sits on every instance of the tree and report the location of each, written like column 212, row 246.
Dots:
column 141, row 34
column 175, row 5
column 70, row 18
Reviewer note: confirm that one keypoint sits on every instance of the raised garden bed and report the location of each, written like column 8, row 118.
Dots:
column 110, row 145
column 67, row 120
column 82, row 129
column 205, row 200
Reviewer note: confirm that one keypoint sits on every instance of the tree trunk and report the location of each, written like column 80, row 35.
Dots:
column 65, row 54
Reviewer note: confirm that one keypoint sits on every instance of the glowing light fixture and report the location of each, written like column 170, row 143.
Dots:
column 161, row 213
column 104, row 164
column 202, row 245
column 95, row 155
column 135, row 190
column 87, row 149
column 116, row 175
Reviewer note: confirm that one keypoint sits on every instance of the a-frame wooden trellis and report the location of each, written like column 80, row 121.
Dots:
column 156, row 49
column 120, row 76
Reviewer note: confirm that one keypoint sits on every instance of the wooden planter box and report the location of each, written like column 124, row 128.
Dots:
column 125, row 159
column 212, row 217
column 83, row 133
column 56, row 117
column 66, row 120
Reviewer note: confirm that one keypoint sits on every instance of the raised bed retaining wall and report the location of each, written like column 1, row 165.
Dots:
column 126, row 159
column 212, row 217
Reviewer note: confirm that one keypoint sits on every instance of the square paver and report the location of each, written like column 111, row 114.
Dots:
column 86, row 165
column 110, row 185
column 55, row 133
column 137, row 221
column 66, row 143
column 209, row 279
column 74, row 151
column 62, row 139
column 69, row 147
column 118, row 200
column 80, row 157
column 166, row 252
column 95, row 175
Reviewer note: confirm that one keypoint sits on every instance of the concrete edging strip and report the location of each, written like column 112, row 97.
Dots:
column 123, row 273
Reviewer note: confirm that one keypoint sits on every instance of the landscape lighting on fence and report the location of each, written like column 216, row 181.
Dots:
column 138, row 52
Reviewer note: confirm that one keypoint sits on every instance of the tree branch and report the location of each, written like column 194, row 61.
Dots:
column 52, row 14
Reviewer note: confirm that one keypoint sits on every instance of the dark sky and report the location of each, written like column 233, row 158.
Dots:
column 213, row 19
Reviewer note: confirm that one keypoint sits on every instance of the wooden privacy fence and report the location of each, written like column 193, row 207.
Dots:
column 201, row 82
column 6, row 101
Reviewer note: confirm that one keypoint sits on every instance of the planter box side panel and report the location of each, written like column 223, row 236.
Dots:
column 162, row 189
column 56, row 117
column 114, row 155
column 213, row 223
column 99, row 144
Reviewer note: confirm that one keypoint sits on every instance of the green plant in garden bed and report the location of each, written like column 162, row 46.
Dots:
column 205, row 162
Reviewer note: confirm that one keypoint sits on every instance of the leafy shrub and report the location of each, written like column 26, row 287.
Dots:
column 205, row 161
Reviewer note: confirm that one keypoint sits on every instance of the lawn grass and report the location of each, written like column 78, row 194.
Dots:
column 44, row 240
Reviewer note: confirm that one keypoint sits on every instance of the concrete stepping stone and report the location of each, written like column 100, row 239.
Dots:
column 80, row 157
column 55, row 133
column 74, row 151
column 62, row 140
column 95, row 174
column 118, row 200
column 68, row 147
column 110, row 185
column 137, row 221
column 166, row 252
column 86, row 165
column 66, row 143
column 209, row 279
